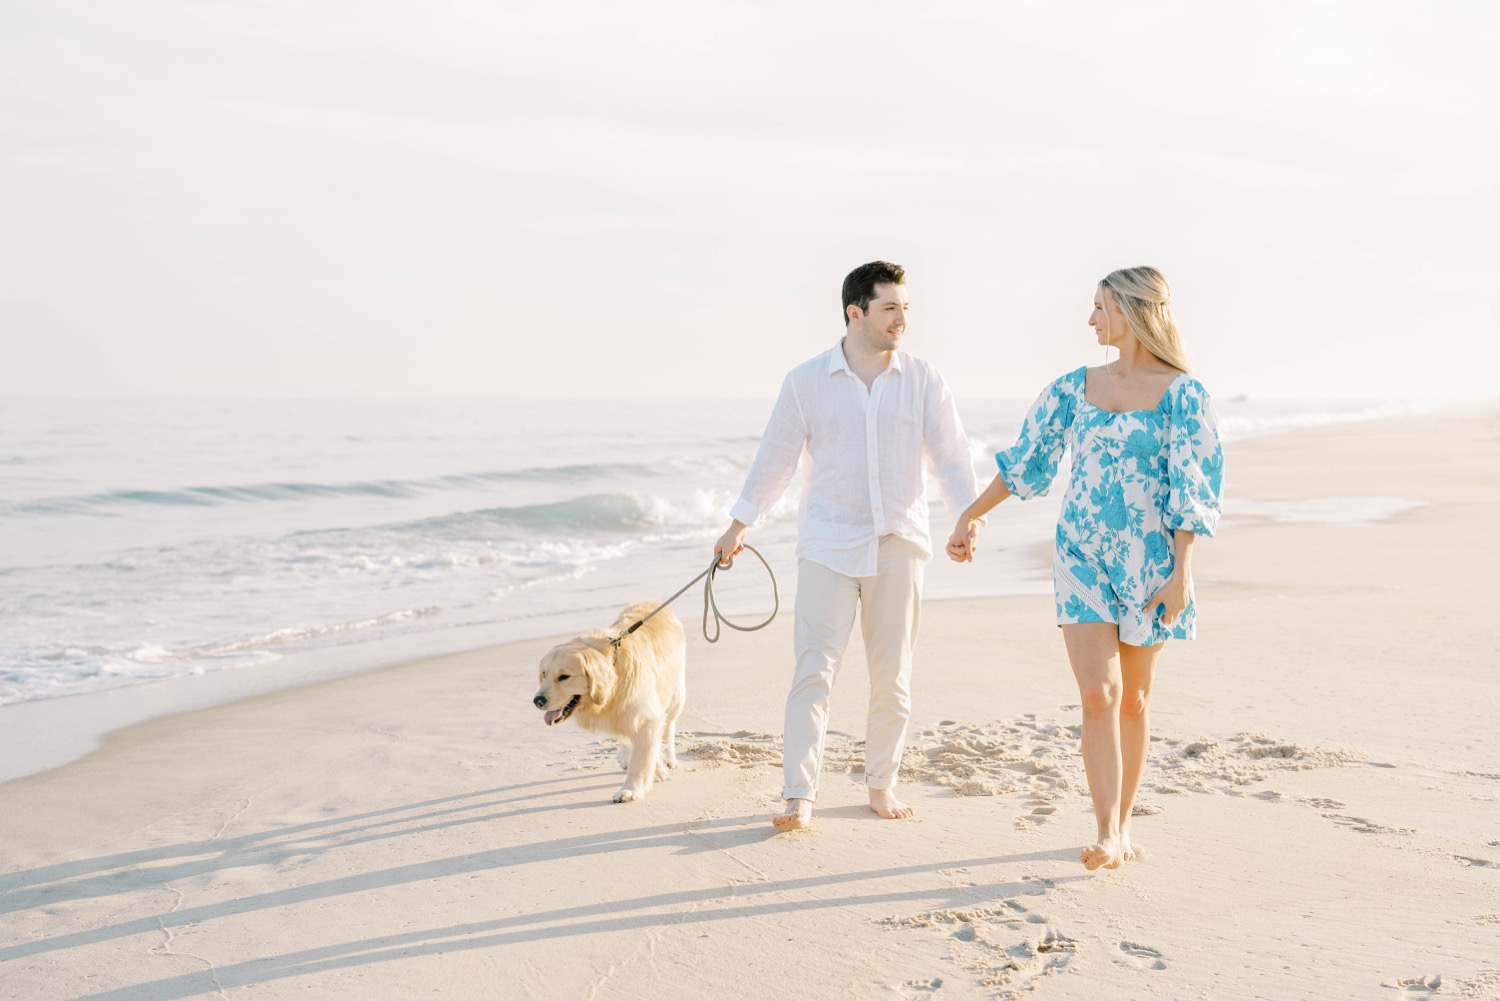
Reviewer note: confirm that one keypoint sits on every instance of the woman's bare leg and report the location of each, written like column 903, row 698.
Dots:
column 1094, row 652
column 1137, row 668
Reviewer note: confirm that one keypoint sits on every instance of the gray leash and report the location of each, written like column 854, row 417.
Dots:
column 711, row 605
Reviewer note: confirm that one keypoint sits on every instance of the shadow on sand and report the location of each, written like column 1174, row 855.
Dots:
column 148, row 868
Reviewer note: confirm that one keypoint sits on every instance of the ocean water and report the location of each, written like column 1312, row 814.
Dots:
column 142, row 540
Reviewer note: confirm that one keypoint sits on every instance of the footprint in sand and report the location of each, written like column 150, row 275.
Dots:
column 1419, row 985
column 1364, row 826
column 923, row 985
column 1038, row 811
column 1142, row 957
column 1469, row 860
column 957, row 877
column 1005, row 945
column 1021, row 966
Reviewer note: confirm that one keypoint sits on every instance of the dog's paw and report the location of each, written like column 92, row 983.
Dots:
column 628, row 795
column 663, row 771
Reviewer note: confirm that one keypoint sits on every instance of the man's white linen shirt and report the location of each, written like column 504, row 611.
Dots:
column 864, row 478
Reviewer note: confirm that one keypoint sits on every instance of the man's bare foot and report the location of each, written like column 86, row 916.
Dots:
column 796, row 816
column 885, row 803
column 1105, row 854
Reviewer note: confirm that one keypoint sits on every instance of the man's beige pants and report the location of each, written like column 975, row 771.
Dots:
column 889, row 604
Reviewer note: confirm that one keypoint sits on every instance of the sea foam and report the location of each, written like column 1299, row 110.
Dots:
column 145, row 540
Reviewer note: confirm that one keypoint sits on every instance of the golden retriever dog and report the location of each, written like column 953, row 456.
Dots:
column 634, row 691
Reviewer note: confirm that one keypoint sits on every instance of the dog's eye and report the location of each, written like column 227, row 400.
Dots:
column 563, row 677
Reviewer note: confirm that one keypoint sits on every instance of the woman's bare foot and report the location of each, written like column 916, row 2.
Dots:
column 885, row 803
column 796, row 816
column 1105, row 854
column 1130, row 852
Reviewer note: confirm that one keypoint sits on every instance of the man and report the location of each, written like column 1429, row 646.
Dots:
column 865, row 412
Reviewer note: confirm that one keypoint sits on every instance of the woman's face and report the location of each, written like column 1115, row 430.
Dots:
column 1106, row 319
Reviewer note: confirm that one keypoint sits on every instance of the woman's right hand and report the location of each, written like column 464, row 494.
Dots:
column 961, row 542
column 966, row 532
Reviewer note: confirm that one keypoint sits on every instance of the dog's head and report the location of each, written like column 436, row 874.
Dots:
column 571, row 675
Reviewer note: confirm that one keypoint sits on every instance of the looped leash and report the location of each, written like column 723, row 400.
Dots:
column 711, row 604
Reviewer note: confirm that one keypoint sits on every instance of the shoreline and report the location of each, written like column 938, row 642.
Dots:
column 43, row 734
column 39, row 735
column 418, row 829
column 154, row 608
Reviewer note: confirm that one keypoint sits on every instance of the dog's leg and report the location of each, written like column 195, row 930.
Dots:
column 645, row 749
column 669, row 749
column 668, row 759
column 665, row 760
column 669, row 742
column 624, row 754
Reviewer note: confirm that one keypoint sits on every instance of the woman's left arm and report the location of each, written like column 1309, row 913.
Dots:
column 1195, row 465
column 1172, row 598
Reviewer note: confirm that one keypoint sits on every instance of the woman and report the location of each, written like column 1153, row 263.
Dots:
column 1147, row 468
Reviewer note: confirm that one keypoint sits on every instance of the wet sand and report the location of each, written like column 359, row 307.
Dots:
column 1321, row 814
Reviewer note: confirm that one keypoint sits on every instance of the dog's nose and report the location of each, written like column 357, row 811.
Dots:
column 540, row 702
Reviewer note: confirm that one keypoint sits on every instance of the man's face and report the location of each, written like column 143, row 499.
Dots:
column 881, row 325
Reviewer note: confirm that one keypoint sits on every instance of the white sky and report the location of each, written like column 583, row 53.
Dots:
column 583, row 199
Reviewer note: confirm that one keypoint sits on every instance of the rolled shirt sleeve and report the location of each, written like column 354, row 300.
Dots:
column 947, row 448
column 776, row 460
column 867, row 453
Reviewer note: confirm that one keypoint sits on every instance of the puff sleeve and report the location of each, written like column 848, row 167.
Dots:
column 1195, row 470
column 1030, row 465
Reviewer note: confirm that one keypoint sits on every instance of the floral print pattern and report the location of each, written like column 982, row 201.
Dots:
column 1137, row 477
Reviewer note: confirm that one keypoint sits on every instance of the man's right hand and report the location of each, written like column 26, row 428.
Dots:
column 731, row 542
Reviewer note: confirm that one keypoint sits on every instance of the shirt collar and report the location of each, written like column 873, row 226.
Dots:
column 838, row 363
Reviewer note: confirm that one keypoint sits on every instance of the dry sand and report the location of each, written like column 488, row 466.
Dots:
column 1321, row 816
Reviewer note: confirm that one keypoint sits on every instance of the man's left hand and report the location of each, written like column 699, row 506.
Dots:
column 962, row 542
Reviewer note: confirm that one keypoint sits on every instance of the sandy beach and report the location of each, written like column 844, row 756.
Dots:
column 1320, row 817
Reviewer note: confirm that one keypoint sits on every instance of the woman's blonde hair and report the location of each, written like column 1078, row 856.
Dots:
column 1146, row 300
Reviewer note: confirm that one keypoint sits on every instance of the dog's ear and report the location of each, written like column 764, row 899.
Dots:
column 602, row 677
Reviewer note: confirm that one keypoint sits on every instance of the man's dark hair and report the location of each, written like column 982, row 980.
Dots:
column 859, row 287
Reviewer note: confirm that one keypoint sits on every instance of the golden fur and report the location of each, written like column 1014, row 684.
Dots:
column 634, row 694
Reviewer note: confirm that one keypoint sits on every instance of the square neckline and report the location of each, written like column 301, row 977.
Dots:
column 1083, row 389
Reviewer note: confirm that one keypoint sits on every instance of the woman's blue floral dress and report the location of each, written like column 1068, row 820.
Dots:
column 1138, row 476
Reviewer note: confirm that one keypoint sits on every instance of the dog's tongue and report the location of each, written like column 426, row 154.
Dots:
column 551, row 716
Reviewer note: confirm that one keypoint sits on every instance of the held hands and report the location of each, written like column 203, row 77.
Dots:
column 961, row 543
column 731, row 543
column 1173, row 596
